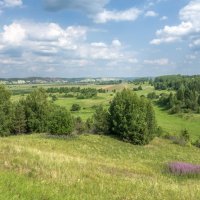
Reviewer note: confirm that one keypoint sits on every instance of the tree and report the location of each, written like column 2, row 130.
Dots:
column 180, row 93
column 132, row 118
column 100, row 120
column 5, row 111
column 60, row 121
column 171, row 100
column 37, row 108
column 19, row 119
column 199, row 100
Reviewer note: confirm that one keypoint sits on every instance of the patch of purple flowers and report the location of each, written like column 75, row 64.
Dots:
column 182, row 168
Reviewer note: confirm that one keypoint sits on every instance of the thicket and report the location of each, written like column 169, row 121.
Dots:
column 35, row 114
column 186, row 97
column 80, row 93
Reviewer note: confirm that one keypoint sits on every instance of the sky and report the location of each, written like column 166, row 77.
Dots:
column 99, row 38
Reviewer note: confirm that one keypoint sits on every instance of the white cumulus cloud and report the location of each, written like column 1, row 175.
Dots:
column 126, row 15
column 151, row 13
column 162, row 61
column 37, row 47
column 189, row 27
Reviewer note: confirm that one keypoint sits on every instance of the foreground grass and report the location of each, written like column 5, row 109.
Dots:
column 92, row 167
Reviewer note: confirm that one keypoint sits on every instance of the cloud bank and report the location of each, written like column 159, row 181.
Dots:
column 188, row 29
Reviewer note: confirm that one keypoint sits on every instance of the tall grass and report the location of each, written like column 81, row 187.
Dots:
column 92, row 167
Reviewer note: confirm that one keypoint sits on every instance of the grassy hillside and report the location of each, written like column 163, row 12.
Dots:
column 92, row 167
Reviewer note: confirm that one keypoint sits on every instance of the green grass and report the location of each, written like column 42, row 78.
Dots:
column 174, row 124
column 92, row 167
column 87, row 105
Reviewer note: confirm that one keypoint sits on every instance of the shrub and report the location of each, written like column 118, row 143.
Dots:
column 132, row 118
column 185, row 135
column 79, row 125
column 100, row 120
column 159, row 131
column 175, row 109
column 75, row 107
column 182, row 139
column 197, row 143
column 152, row 95
column 89, row 124
column 60, row 121
column 54, row 98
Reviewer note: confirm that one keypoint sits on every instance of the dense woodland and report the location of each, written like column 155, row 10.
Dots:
column 184, row 93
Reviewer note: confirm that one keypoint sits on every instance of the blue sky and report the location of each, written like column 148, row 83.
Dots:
column 84, row 38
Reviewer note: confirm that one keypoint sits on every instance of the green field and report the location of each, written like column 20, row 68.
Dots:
column 90, row 167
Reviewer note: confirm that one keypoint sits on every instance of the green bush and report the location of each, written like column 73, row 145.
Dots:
column 132, row 118
column 75, row 107
column 100, row 120
column 60, row 121
column 197, row 143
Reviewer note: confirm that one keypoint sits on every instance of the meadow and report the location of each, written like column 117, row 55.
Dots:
column 90, row 167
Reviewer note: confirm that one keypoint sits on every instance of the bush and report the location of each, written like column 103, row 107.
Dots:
column 132, row 118
column 182, row 139
column 61, row 121
column 197, row 143
column 159, row 131
column 79, row 125
column 89, row 125
column 54, row 98
column 100, row 120
column 75, row 107
column 152, row 95
column 175, row 109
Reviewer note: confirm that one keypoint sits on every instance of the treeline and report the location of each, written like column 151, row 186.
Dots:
column 111, row 82
column 33, row 114
column 186, row 95
column 81, row 93
column 129, row 117
column 174, row 82
column 139, row 81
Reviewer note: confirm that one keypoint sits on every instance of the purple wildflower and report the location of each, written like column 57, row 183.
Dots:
column 181, row 168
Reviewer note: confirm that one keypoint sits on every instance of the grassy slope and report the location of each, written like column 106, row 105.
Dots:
column 92, row 167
